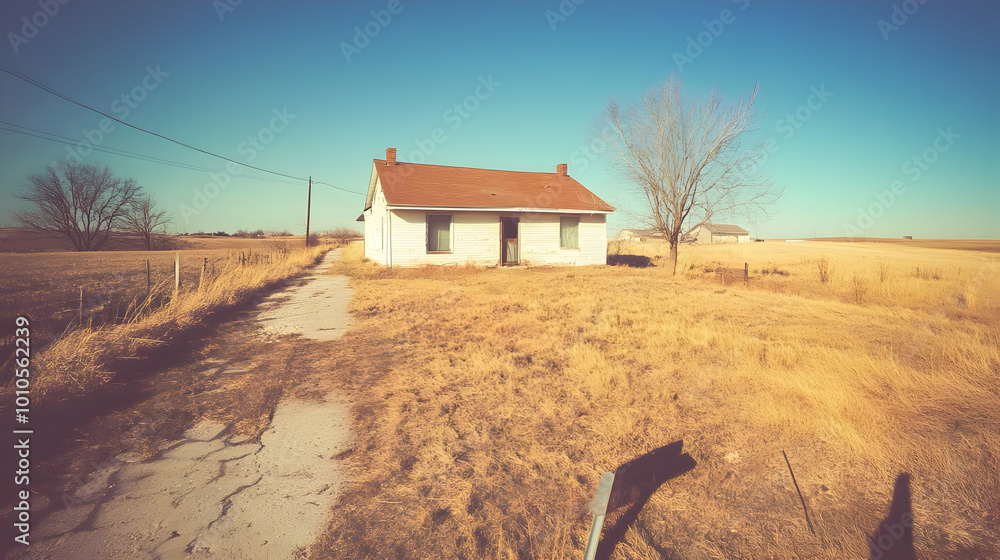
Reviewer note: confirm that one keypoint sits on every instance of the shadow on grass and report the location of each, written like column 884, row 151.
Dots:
column 893, row 540
column 635, row 483
column 634, row 261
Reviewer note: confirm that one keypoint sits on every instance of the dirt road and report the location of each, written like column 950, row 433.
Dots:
column 212, row 494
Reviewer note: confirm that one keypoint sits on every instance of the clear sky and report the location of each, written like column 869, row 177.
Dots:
column 850, row 92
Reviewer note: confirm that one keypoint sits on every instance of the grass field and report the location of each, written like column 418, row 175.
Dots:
column 20, row 240
column 46, row 285
column 985, row 245
column 121, row 321
column 489, row 402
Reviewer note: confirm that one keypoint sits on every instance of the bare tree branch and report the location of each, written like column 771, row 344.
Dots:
column 146, row 220
column 687, row 160
column 80, row 201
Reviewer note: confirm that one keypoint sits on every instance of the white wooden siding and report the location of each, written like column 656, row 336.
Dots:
column 377, row 227
column 475, row 238
column 540, row 241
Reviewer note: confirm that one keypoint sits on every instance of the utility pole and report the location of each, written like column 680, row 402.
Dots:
column 308, row 208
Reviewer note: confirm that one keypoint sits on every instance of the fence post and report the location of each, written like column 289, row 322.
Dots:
column 746, row 271
column 177, row 274
column 148, row 283
column 201, row 280
column 80, row 311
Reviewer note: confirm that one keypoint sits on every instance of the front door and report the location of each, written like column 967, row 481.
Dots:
column 509, row 251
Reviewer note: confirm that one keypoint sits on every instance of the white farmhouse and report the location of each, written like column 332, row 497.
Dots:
column 418, row 214
column 718, row 233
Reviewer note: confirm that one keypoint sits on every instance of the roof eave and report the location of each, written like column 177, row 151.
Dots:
column 499, row 209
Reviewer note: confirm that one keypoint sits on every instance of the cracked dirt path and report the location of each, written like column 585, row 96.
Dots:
column 213, row 494
column 317, row 310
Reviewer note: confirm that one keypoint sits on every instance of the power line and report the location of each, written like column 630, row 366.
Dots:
column 339, row 188
column 126, row 153
column 179, row 143
column 118, row 151
column 75, row 102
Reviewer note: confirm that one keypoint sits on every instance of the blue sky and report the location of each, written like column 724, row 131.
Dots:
column 847, row 102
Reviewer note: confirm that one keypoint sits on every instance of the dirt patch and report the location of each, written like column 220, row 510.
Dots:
column 315, row 310
column 211, row 493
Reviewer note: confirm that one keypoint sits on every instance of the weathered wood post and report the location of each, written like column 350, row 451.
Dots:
column 148, row 282
column 746, row 271
column 177, row 274
column 80, row 311
column 201, row 280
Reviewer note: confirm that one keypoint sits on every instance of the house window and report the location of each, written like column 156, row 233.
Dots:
column 438, row 233
column 569, row 232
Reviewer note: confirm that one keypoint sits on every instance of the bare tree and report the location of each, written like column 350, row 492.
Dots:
column 145, row 219
column 80, row 201
column 686, row 159
column 343, row 235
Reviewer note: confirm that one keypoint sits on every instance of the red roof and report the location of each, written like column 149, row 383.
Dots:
column 417, row 184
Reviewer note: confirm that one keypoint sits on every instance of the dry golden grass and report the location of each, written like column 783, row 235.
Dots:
column 502, row 394
column 240, row 243
column 85, row 358
column 46, row 286
column 986, row 245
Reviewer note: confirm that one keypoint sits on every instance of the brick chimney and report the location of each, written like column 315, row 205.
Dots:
column 390, row 156
column 561, row 169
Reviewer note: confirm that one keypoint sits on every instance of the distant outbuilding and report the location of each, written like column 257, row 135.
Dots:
column 639, row 235
column 717, row 233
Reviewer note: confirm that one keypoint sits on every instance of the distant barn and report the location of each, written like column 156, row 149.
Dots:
column 639, row 235
column 718, row 233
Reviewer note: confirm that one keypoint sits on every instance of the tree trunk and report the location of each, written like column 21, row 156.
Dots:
column 673, row 258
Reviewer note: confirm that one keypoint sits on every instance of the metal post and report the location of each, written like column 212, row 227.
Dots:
column 599, row 507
